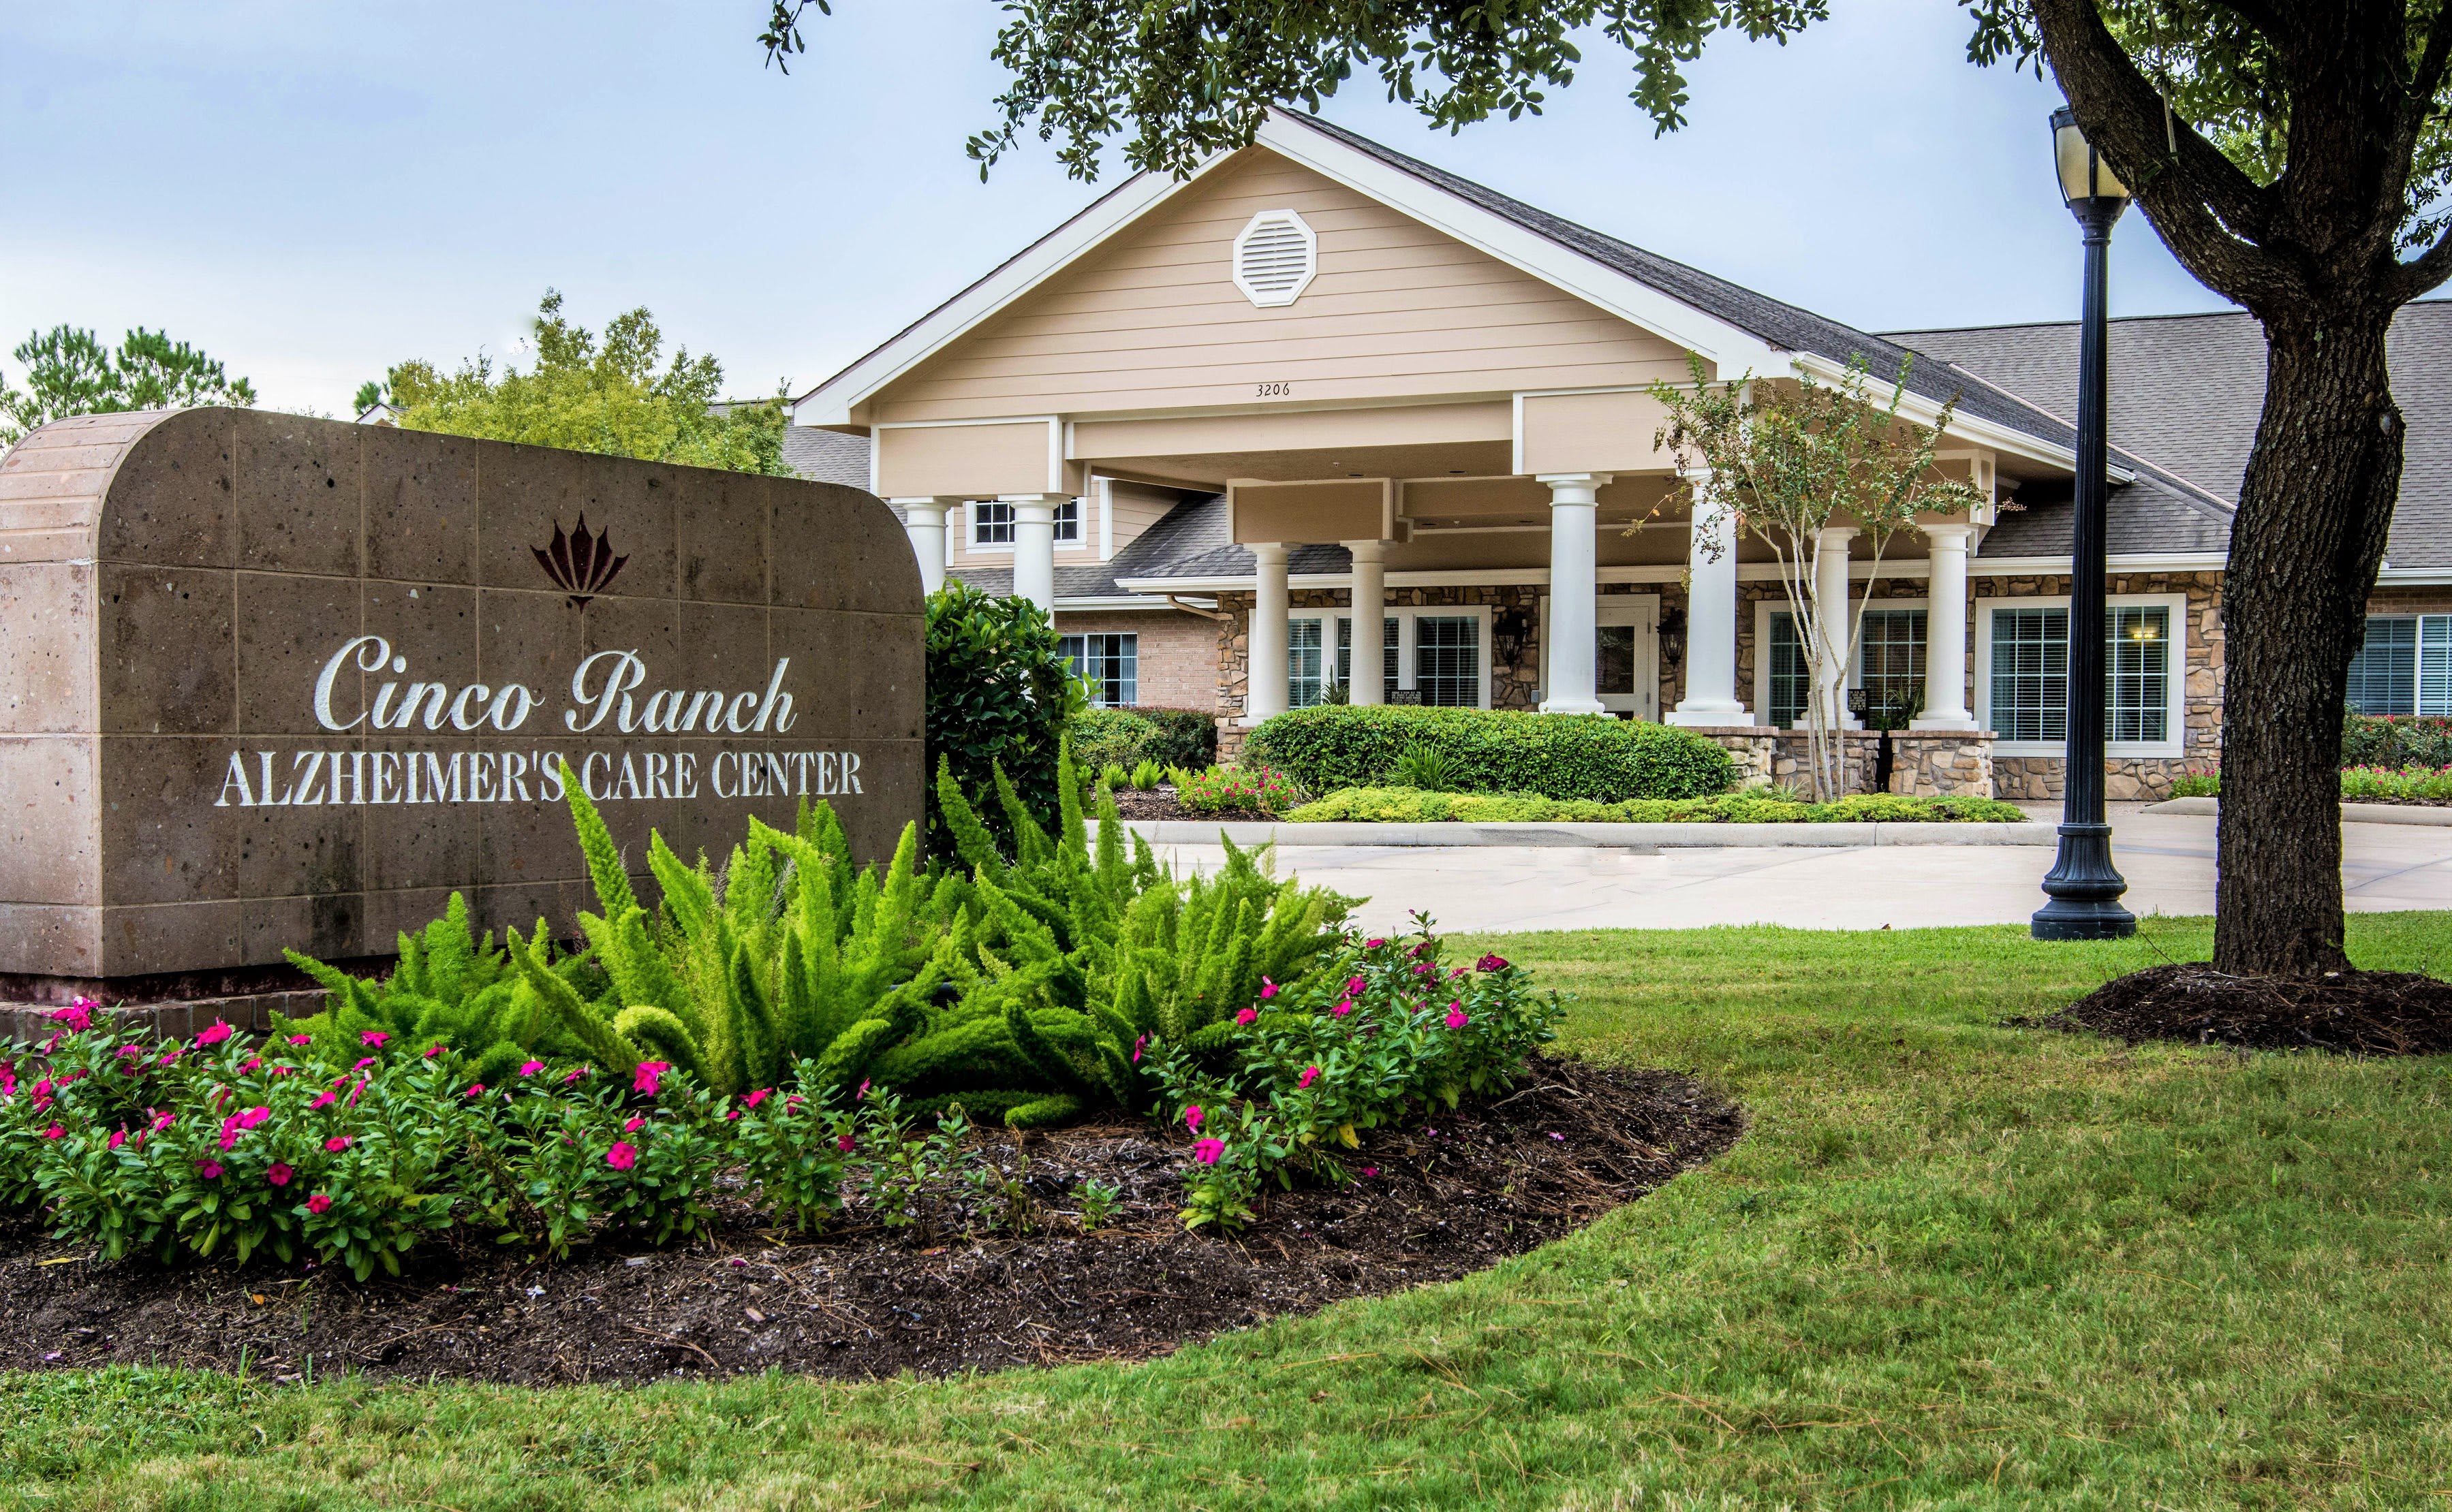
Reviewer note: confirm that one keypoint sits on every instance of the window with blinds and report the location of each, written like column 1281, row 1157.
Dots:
column 2403, row 665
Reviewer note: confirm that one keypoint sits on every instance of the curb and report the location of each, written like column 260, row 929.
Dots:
column 1623, row 836
column 2351, row 812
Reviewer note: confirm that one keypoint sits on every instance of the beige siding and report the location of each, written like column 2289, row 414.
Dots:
column 1154, row 320
column 1136, row 507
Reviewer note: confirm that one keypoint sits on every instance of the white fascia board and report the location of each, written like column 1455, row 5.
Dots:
column 1925, row 411
column 1978, row 566
column 1441, row 578
column 1731, row 348
column 831, row 403
column 1112, row 602
column 2414, row 576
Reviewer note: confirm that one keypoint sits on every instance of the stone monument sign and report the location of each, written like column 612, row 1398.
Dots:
column 271, row 683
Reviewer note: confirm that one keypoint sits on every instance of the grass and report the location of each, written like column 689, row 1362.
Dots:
column 1952, row 1266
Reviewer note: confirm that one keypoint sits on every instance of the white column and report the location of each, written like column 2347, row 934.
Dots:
column 1370, row 621
column 1830, row 604
column 924, row 521
column 1033, row 546
column 1711, row 623
column 1567, row 683
column 1945, row 632
column 1264, row 676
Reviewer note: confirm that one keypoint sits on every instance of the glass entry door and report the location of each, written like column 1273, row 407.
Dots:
column 1626, row 653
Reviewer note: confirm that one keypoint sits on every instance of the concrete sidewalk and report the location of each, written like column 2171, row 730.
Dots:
column 2168, row 858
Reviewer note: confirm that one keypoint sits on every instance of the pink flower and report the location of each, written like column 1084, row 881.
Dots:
column 475, row 1089
column 215, row 1035
column 757, row 1096
column 283, row 1070
column 76, row 1016
column 319, row 1204
column 863, row 1092
column 1248, row 1015
column 530, row 1067
column 1192, row 1117
column 1206, row 1151
column 277, row 1173
column 360, row 1066
column 1455, row 1015
column 253, row 1117
column 301, row 1039
column 732, row 1116
column 844, row 1143
column 118, row 1137
column 336, row 1144
column 352, row 1099
column 1268, row 989
column 1372, row 944
column 649, row 1076
column 576, row 1072
column 1137, row 1048
column 1311, row 1074
column 210, row 1169
column 372, row 1038
column 432, row 1050
column 162, row 1121
column 55, row 1131
column 252, row 1062
column 132, row 1053
column 632, row 1126
column 622, row 1156
column 1344, row 1006
column 1491, row 963
column 323, row 1100
column 1354, row 986
column 1371, row 1170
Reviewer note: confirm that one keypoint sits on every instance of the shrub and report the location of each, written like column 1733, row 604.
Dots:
column 1234, row 790
column 1394, row 805
column 2408, row 784
column 1556, row 756
column 1184, row 737
column 999, row 694
column 2197, row 785
column 2396, row 740
column 1146, row 777
column 1425, row 767
column 1105, row 737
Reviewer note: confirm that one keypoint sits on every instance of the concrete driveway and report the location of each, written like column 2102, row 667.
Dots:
column 2168, row 858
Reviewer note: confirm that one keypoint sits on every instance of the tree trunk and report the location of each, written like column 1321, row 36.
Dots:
column 2305, row 549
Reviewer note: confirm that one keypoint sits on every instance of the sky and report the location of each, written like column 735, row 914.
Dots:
column 313, row 191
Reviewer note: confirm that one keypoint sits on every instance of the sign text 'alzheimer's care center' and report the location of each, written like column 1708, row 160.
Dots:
column 608, row 697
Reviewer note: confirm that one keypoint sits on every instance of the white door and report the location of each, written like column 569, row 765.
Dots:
column 1626, row 659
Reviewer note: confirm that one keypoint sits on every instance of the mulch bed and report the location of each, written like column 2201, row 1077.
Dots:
column 2360, row 1012
column 1454, row 1195
column 1159, row 804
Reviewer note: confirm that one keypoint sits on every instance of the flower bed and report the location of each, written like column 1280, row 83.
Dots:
column 2359, row 784
column 1414, row 806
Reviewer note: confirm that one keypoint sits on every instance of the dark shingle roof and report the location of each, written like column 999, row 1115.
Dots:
column 826, row 456
column 2186, row 392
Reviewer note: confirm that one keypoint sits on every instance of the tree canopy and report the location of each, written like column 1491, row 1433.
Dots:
column 612, row 395
column 70, row 372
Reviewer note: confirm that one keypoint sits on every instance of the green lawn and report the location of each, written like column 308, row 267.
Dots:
column 1951, row 1265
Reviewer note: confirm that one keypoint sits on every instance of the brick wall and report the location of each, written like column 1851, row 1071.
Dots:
column 1176, row 652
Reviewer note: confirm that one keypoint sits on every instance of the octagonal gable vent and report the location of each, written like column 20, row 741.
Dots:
column 1275, row 258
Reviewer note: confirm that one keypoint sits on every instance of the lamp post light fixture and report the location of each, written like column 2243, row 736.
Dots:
column 2084, row 886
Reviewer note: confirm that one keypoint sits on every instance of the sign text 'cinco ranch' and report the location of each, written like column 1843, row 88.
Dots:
column 608, row 696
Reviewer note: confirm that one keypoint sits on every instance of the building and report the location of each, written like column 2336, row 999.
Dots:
column 1205, row 418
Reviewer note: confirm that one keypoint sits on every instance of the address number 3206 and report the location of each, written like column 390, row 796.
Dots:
column 1275, row 391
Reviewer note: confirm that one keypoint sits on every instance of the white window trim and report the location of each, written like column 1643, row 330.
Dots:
column 1764, row 608
column 1404, row 615
column 1642, row 610
column 1089, row 541
column 2176, row 714
column 1134, row 636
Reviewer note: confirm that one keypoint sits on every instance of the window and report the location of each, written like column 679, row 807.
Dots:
column 1110, row 662
column 1304, row 683
column 1068, row 520
column 2403, row 666
column 2025, row 673
column 1889, row 659
column 1789, row 682
column 990, row 524
column 1386, row 655
column 1446, row 660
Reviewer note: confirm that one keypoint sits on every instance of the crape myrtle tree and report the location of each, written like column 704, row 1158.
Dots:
column 2293, row 156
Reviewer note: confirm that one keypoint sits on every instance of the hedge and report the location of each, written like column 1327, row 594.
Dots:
column 1414, row 806
column 1126, row 738
column 1555, row 756
column 2396, row 740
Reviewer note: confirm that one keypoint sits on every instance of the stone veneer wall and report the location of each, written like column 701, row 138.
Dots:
column 1922, row 761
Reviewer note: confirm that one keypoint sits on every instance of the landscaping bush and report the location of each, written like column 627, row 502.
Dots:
column 1105, row 737
column 1555, row 756
column 1234, row 790
column 1185, row 737
column 2412, row 783
column 999, row 694
column 2396, row 740
column 2197, row 785
column 1394, row 805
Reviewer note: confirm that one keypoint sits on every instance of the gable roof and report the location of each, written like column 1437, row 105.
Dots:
column 2187, row 391
column 1733, row 327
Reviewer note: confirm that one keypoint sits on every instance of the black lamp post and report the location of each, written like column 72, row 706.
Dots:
column 2083, row 885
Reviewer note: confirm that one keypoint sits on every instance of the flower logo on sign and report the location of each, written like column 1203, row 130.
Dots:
column 581, row 565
